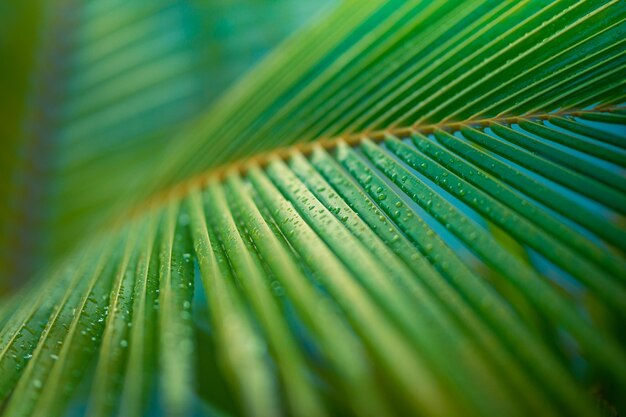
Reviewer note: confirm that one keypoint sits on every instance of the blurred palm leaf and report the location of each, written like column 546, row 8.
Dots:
column 406, row 208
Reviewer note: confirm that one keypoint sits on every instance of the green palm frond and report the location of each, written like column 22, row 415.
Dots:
column 406, row 208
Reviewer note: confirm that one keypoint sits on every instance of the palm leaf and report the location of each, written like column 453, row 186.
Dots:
column 406, row 208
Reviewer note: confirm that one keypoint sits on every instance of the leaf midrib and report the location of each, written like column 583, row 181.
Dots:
column 181, row 189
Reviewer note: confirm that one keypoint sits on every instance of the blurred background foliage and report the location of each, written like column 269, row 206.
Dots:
column 95, row 89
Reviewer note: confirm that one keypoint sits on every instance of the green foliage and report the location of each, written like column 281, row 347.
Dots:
column 407, row 208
